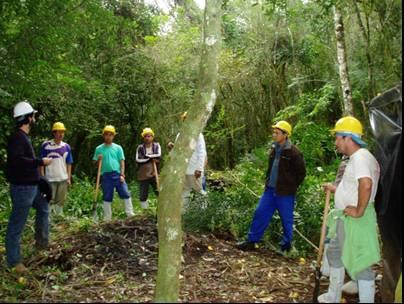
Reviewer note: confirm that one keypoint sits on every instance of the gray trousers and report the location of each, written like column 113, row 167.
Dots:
column 59, row 192
column 334, row 253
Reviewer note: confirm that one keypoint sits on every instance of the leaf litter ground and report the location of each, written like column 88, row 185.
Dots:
column 117, row 261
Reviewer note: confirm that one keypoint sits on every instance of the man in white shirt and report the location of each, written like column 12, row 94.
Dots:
column 354, row 194
column 195, row 170
column 196, row 166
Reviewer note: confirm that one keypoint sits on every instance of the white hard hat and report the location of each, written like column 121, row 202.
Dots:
column 23, row 108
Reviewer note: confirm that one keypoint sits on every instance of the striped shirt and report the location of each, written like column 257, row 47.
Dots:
column 61, row 155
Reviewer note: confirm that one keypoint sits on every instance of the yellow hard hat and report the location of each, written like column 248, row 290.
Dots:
column 348, row 124
column 109, row 128
column 147, row 131
column 284, row 126
column 58, row 126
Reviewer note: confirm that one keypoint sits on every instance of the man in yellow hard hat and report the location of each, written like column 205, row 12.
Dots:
column 113, row 172
column 59, row 172
column 352, row 224
column 286, row 171
column 146, row 154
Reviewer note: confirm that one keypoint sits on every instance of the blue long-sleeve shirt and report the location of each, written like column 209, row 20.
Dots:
column 273, row 178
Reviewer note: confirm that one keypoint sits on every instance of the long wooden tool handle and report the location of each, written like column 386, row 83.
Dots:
column 156, row 174
column 323, row 227
column 97, row 185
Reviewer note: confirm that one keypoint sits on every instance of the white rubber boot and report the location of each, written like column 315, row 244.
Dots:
column 333, row 295
column 366, row 291
column 325, row 266
column 59, row 210
column 107, row 211
column 144, row 204
column 128, row 207
column 350, row 288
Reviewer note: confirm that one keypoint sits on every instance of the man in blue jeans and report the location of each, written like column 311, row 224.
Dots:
column 22, row 172
column 286, row 171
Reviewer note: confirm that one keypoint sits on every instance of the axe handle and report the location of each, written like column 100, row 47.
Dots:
column 97, row 185
column 156, row 174
column 324, row 227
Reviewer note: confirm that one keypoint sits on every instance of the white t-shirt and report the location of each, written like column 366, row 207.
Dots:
column 361, row 164
column 198, row 158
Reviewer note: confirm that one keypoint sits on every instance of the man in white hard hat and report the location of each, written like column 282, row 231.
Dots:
column 23, row 174
column 59, row 173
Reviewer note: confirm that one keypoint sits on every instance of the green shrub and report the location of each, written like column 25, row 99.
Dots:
column 232, row 208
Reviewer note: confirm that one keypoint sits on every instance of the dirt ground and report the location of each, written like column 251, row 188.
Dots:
column 117, row 262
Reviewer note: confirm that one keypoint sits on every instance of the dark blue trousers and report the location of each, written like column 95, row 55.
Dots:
column 268, row 204
column 24, row 198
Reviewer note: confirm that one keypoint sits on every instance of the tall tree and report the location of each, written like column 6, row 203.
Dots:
column 172, row 178
column 366, row 36
column 342, row 61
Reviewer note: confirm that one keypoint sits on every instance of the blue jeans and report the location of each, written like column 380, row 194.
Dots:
column 269, row 203
column 111, row 181
column 23, row 198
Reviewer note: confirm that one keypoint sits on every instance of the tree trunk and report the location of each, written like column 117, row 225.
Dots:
column 172, row 177
column 366, row 36
column 342, row 62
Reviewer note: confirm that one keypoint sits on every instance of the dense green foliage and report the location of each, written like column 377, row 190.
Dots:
column 91, row 63
column 88, row 63
column 232, row 207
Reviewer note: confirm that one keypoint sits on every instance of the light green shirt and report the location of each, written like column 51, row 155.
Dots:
column 361, row 245
column 111, row 157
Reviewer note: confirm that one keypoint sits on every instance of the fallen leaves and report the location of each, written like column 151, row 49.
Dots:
column 117, row 262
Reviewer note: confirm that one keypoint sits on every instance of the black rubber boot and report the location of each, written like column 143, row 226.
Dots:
column 246, row 245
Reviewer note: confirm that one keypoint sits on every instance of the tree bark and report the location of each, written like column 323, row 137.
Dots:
column 366, row 36
column 342, row 62
column 172, row 177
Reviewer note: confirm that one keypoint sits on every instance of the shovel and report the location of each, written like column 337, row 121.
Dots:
column 317, row 272
column 97, row 187
column 156, row 174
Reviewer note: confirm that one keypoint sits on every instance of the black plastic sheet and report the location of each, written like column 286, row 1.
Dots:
column 385, row 113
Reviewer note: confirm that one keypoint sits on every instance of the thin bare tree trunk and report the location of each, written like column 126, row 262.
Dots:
column 366, row 36
column 342, row 62
column 172, row 177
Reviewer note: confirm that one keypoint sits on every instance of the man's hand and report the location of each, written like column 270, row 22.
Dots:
column 46, row 161
column 122, row 178
column 69, row 181
column 170, row 146
column 352, row 212
column 197, row 174
column 330, row 187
